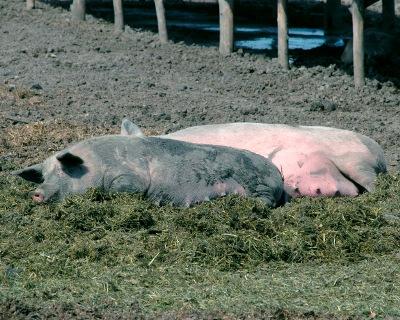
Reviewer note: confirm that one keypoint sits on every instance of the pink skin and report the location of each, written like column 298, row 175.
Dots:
column 314, row 161
column 38, row 196
column 318, row 176
column 222, row 189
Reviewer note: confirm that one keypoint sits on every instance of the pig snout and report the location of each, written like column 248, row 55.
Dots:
column 46, row 192
column 37, row 196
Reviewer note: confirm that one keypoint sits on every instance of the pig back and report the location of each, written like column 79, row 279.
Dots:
column 193, row 171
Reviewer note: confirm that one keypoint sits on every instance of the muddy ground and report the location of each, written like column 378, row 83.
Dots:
column 52, row 69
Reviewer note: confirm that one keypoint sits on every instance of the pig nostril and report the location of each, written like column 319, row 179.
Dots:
column 37, row 197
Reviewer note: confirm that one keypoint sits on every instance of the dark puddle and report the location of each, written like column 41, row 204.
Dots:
column 202, row 27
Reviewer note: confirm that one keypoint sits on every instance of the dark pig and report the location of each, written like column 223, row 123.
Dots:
column 164, row 170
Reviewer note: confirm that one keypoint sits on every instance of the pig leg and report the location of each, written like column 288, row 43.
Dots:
column 363, row 167
column 363, row 173
column 127, row 183
column 271, row 196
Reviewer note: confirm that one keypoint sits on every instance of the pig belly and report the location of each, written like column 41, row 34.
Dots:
column 312, row 175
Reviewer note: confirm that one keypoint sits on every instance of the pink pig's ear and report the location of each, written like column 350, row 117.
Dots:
column 128, row 128
column 67, row 159
column 32, row 173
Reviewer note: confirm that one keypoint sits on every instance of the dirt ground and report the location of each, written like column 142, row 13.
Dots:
column 52, row 69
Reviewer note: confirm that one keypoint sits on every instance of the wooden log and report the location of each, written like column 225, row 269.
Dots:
column 283, row 56
column 118, row 16
column 358, row 42
column 78, row 10
column 331, row 17
column 226, row 26
column 388, row 15
column 161, row 21
column 30, row 4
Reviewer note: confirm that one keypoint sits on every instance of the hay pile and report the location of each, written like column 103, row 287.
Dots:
column 228, row 234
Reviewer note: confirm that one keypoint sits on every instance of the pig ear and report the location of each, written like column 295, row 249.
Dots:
column 68, row 159
column 32, row 173
column 128, row 128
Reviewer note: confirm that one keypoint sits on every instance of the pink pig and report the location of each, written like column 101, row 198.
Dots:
column 314, row 161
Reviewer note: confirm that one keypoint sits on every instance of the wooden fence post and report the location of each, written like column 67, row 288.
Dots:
column 118, row 15
column 358, row 42
column 226, row 26
column 331, row 20
column 388, row 14
column 161, row 21
column 30, row 4
column 78, row 10
column 283, row 56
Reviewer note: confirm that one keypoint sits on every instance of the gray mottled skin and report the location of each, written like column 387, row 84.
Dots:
column 314, row 161
column 166, row 171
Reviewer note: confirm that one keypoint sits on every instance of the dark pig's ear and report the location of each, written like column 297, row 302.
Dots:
column 128, row 128
column 32, row 173
column 67, row 159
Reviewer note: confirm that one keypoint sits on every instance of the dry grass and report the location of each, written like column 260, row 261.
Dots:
column 32, row 143
column 20, row 95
